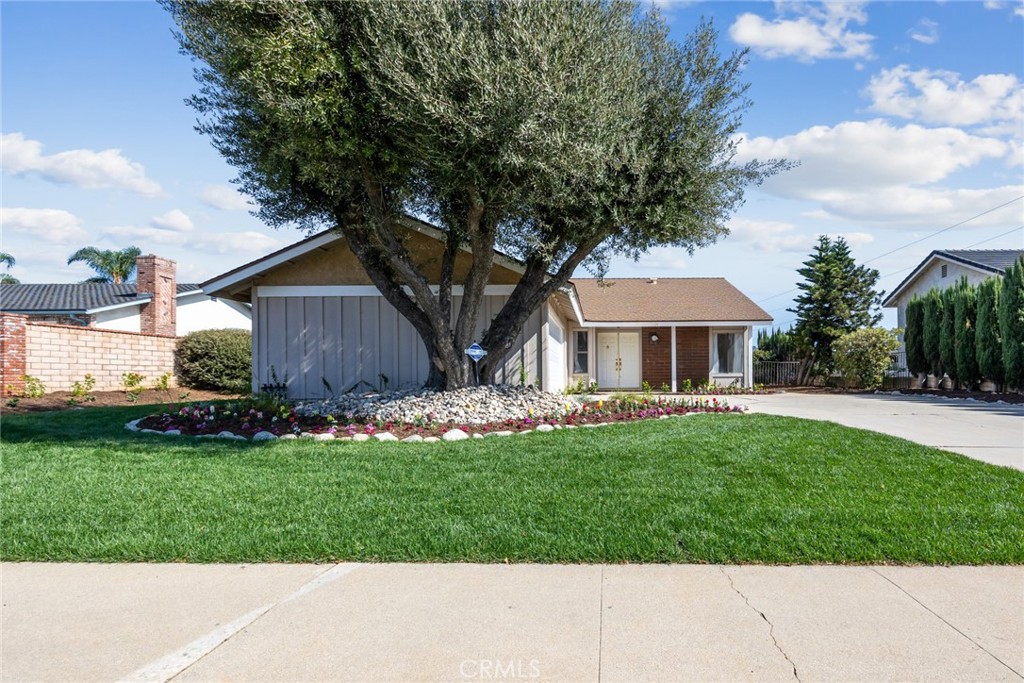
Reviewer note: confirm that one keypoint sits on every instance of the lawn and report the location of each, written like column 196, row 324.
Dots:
column 708, row 488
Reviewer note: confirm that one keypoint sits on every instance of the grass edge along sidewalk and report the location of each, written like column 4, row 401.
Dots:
column 711, row 488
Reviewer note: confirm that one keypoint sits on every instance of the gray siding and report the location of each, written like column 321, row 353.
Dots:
column 349, row 341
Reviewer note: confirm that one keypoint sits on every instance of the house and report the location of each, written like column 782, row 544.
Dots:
column 944, row 268
column 145, row 306
column 319, row 323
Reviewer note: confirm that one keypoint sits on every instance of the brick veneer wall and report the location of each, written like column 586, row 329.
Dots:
column 691, row 355
column 12, row 354
column 58, row 355
column 156, row 276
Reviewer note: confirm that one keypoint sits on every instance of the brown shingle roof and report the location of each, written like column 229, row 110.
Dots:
column 697, row 299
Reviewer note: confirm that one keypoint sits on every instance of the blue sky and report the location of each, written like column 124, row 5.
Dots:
column 906, row 118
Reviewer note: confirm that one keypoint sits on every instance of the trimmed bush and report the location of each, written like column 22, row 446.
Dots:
column 965, row 318
column 932, row 326
column 947, row 333
column 1011, row 324
column 219, row 360
column 864, row 355
column 988, row 344
column 913, row 336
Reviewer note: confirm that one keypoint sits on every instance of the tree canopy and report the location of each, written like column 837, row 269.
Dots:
column 7, row 261
column 561, row 133
column 836, row 296
column 111, row 265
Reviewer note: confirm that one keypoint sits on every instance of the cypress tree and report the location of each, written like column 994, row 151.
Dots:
column 932, row 325
column 947, row 334
column 965, row 316
column 988, row 345
column 913, row 336
column 1011, row 324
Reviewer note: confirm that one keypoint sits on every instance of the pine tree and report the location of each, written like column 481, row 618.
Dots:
column 965, row 317
column 837, row 296
column 913, row 336
column 932, row 326
column 988, row 344
column 1011, row 324
column 947, row 334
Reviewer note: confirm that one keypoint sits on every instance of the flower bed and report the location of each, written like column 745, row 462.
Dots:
column 248, row 419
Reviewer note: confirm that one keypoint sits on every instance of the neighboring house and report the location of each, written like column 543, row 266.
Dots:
column 142, row 306
column 944, row 268
column 318, row 322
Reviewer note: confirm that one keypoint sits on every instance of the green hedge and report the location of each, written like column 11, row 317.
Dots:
column 219, row 360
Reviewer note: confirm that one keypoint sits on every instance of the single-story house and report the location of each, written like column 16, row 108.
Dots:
column 146, row 305
column 320, row 325
column 943, row 268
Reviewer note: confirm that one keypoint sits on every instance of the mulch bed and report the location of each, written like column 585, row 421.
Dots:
column 62, row 400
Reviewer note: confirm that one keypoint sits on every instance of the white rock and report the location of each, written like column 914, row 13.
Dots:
column 342, row 438
column 478, row 435
column 172, row 432
column 414, row 438
column 570, row 426
column 263, row 436
column 557, row 426
column 133, row 426
column 385, row 436
column 225, row 435
column 306, row 435
column 151, row 431
column 288, row 437
column 590, row 425
column 431, row 439
column 501, row 433
column 360, row 437
column 454, row 435
column 545, row 428
column 325, row 436
column 525, row 431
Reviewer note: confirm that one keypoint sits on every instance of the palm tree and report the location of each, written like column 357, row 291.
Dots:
column 7, row 261
column 111, row 265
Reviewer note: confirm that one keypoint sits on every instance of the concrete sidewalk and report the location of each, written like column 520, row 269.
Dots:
column 459, row 622
column 990, row 432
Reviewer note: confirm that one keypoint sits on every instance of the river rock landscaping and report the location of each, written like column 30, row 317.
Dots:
column 418, row 415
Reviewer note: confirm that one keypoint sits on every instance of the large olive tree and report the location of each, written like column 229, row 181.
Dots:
column 560, row 132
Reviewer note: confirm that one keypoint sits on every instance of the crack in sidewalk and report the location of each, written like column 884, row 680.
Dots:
column 771, row 626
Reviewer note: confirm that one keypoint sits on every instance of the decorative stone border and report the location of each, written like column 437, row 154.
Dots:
column 454, row 434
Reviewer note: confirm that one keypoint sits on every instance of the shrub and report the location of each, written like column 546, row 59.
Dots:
column 988, row 345
column 965, row 317
column 932, row 325
column 947, row 333
column 220, row 360
column 864, row 355
column 1011, row 324
column 913, row 337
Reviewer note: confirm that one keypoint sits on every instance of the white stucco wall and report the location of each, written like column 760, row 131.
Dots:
column 124, row 319
column 200, row 312
column 931, row 278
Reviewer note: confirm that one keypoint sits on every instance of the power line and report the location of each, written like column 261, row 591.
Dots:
column 909, row 244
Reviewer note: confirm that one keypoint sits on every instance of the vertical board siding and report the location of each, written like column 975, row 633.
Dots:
column 350, row 340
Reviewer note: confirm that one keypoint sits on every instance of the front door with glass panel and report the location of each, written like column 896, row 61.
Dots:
column 618, row 362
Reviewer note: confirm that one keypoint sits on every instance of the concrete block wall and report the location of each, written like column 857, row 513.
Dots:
column 59, row 355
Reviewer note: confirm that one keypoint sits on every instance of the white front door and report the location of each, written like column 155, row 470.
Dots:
column 618, row 360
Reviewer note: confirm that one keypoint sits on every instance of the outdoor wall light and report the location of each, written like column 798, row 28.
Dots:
column 654, row 339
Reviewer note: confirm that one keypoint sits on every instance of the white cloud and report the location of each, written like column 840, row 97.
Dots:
column 942, row 97
column 779, row 236
column 51, row 225
column 994, row 4
column 925, row 31
column 175, row 220
column 84, row 168
column 245, row 242
column 806, row 31
column 225, row 197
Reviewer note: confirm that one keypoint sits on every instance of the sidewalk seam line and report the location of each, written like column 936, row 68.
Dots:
column 771, row 626
column 943, row 620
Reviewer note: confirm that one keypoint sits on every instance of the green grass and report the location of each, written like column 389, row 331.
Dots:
column 710, row 488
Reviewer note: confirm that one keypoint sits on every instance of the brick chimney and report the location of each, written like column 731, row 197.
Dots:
column 156, row 276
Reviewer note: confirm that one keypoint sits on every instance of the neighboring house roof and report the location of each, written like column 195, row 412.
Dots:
column 82, row 298
column 987, row 261
column 666, row 300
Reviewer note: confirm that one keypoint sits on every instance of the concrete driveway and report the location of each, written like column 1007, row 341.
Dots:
column 461, row 622
column 990, row 432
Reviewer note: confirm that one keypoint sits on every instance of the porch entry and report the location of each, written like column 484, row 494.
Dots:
column 618, row 360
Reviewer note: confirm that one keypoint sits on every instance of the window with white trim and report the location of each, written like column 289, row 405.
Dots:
column 728, row 352
column 581, row 352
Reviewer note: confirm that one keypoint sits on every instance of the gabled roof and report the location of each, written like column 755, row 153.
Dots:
column 987, row 261
column 76, row 297
column 665, row 300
